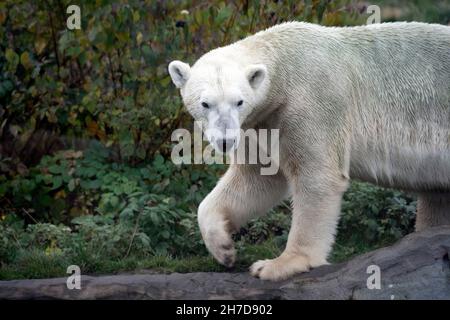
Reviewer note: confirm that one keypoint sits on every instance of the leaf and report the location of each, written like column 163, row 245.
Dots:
column 165, row 234
column 146, row 51
column 154, row 217
column 139, row 38
column 40, row 45
column 92, row 127
column 123, row 36
column 223, row 15
column 93, row 33
column 71, row 185
column 25, row 60
column 61, row 194
column 158, row 161
column 2, row 17
column 57, row 182
column 166, row 81
column 8, row 85
column 136, row 16
column 55, row 169
column 12, row 58
column 94, row 184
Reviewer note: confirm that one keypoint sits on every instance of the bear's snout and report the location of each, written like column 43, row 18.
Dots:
column 225, row 144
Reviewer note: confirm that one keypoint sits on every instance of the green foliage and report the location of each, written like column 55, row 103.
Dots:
column 151, row 206
column 109, row 80
column 415, row 10
column 375, row 214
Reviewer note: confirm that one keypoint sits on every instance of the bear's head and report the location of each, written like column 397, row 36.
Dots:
column 220, row 94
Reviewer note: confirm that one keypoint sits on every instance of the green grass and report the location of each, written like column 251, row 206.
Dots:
column 35, row 264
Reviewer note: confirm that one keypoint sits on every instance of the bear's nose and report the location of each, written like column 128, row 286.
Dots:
column 225, row 144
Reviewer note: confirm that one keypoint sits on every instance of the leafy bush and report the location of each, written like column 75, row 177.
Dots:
column 70, row 187
column 376, row 214
column 109, row 81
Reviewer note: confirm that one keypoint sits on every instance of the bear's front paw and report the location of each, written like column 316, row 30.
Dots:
column 221, row 246
column 280, row 268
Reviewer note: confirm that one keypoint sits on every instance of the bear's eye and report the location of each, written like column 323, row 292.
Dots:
column 205, row 105
column 240, row 102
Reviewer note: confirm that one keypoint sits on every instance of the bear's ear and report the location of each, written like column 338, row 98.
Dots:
column 179, row 72
column 256, row 74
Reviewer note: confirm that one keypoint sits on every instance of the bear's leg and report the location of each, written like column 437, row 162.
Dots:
column 241, row 194
column 433, row 209
column 316, row 212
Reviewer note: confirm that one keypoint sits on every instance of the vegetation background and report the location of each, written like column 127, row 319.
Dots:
column 85, row 123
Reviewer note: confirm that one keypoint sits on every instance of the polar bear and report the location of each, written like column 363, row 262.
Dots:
column 368, row 102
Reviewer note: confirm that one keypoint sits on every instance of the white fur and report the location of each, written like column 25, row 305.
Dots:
column 370, row 102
